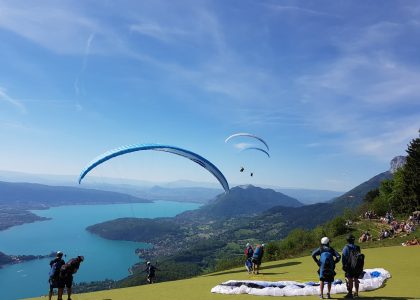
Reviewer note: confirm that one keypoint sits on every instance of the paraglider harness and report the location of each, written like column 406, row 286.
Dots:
column 258, row 254
column 326, row 269
column 353, row 266
column 54, row 273
column 326, row 262
column 67, row 270
column 249, row 252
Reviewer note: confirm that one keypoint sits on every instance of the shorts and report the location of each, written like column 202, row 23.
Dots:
column 326, row 275
column 352, row 275
column 327, row 278
column 65, row 282
column 53, row 283
column 256, row 261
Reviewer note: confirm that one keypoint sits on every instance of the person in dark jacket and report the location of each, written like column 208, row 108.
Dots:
column 55, row 266
column 328, row 257
column 257, row 258
column 66, row 276
column 151, row 272
column 352, row 275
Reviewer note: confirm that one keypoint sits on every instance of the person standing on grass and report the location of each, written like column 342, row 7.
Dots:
column 249, row 252
column 257, row 258
column 151, row 272
column 66, row 276
column 353, row 263
column 55, row 266
column 328, row 257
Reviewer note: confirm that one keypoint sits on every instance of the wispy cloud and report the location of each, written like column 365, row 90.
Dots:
column 367, row 94
column 16, row 103
column 76, row 84
column 59, row 28
column 157, row 31
column 389, row 143
column 297, row 9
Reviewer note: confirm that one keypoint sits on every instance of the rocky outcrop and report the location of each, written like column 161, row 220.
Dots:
column 397, row 162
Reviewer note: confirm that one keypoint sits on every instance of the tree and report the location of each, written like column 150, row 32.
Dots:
column 371, row 195
column 410, row 188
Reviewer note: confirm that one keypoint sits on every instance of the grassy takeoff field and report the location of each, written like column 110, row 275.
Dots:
column 402, row 262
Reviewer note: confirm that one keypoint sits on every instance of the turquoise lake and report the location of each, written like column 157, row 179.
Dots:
column 104, row 259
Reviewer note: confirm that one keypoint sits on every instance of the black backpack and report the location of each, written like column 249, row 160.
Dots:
column 355, row 262
column 55, row 269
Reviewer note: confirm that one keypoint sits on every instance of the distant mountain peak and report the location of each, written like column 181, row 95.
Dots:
column 246, row 186
column 396, row 163
column 246, row 200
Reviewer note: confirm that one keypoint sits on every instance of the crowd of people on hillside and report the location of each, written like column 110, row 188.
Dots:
column 253, row 258
column 370, row 214
column 393, row 226
column 61, row 275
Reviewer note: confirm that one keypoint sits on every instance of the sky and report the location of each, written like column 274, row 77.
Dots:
column 331, row 86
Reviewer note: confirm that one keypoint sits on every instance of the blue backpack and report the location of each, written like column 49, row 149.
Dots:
column 327, row 264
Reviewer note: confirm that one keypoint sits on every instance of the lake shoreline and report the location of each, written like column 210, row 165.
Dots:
column 66, row 231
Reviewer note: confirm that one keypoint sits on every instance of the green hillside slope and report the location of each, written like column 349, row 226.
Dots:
column 402, row 262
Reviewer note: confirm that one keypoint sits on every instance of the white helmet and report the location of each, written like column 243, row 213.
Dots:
column 325, row 241
column 263, row 245
column 247, row 245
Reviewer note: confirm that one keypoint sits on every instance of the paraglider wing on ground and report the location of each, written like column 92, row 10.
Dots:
column 372, row 279
column 158, row 147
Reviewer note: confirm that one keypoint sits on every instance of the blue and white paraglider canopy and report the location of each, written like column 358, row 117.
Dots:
column 256, row 148
column 158, row 147
column 248, row 135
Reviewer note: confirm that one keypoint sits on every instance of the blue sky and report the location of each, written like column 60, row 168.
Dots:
column 332, row 86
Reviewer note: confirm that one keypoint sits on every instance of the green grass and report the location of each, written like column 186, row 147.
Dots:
column 402, row 262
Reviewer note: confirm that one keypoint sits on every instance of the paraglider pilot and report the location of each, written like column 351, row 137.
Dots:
column 151, row 272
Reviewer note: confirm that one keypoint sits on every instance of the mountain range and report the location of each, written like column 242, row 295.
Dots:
column 180, row 190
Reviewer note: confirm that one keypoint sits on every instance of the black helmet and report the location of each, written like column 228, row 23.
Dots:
column 350, row 238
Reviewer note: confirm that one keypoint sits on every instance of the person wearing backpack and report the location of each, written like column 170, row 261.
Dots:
column 328, row 257
column 353, row 263
column 54, row 273
column 66, row 276
column 249, row 252
column 257, row 258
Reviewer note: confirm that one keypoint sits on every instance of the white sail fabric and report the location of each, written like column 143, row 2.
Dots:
column 372, row 279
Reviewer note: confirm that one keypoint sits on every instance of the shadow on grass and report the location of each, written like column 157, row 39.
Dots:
column 384, row 298
column 273, row 273
column 291, row 263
